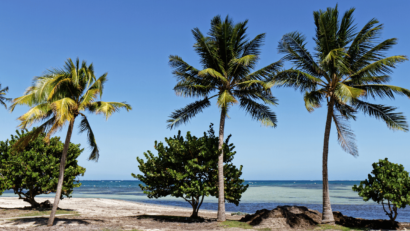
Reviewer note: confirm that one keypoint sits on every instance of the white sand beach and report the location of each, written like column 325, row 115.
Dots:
column 108, row 214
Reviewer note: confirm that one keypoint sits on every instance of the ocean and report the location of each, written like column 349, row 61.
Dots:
column 260, row 195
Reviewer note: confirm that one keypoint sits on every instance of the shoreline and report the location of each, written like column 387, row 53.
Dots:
column 44, row 198
column 109, row 214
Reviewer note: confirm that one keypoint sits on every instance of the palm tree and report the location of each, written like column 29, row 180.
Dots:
column 3, row 99
column 59, row 97
column 347, row 68
column 227, row 58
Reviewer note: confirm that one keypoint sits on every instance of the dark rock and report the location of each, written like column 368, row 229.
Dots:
column 46, row 205
column 300, row 217
column 363, row 223
column 284, row 217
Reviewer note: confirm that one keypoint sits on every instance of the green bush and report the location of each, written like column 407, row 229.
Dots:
column 188, row 168
column 389, row 185
column 35, row 170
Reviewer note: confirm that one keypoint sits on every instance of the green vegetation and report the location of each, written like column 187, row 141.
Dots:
column 347, row 68
column 60, row 96
column 239, row 224
column 389, row 183
column 236, row 224
column 188, row 168
column 34, row 170
column 3, row 99
column 227, row 58
column 46, row 213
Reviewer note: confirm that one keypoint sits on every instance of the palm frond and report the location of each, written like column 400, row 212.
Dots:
column 381, row 90
column 64, row 109
column 44, row 128
column 345, row 135
column 345, row 110
column 246, row 60
column 3, row 99
column 335, row 54
column 183, row 115
column 297, row 79
column 312, row 100
column 225, row 99
column 259, row 112
column 212, row 72
column 256, row 94
column 249, row 83
column 293, row 45
column 346, row 33
column 393, row 120
column 73, row 69
column 43, row 86
column 327, row 27
column 35, row 114
column 99, row 84
column 346, row 93
column 60, row 87
column 265, row 73
column 374, row 53
column 206, row 49
column 85, row 126
column 189, row 89
column 363, row 41
column 367, row 80
column 88, row 98
column 181, row 66
column 253, row 47
column 107, row 108
column 380, row 67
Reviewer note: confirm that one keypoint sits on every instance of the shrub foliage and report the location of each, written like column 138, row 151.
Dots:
column 35, row 170
column 188, row 168
column 389, row 185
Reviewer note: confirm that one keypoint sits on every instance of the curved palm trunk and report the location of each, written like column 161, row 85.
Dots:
column 61, row 176
column 221, row 185
column 327, row 215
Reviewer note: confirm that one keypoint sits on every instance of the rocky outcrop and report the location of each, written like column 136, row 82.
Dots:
column 284, row 217
column 300, row 217
column 340, row 219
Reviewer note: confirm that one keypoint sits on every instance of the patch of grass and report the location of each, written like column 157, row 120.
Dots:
column 235, row 224
column 336, row 227
column 47, row 213
column 238, row 224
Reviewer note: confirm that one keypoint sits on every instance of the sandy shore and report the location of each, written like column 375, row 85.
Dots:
column 107, row 214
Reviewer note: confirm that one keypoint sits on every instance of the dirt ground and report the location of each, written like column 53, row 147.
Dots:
column 104, row 214
column 112, row 215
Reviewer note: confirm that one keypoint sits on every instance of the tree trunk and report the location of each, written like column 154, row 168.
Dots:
column 194, row 211
column 327, row 215
column 61, row 176
column 221, row 184
column 32, row 201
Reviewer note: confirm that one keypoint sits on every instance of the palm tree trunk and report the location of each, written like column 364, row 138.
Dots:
column 221, row 185
column 327, row 215
column 61, row 176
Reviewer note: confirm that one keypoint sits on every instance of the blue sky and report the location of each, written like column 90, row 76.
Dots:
column 131, row 40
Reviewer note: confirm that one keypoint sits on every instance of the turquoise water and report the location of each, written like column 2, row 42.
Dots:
column 260, row 195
